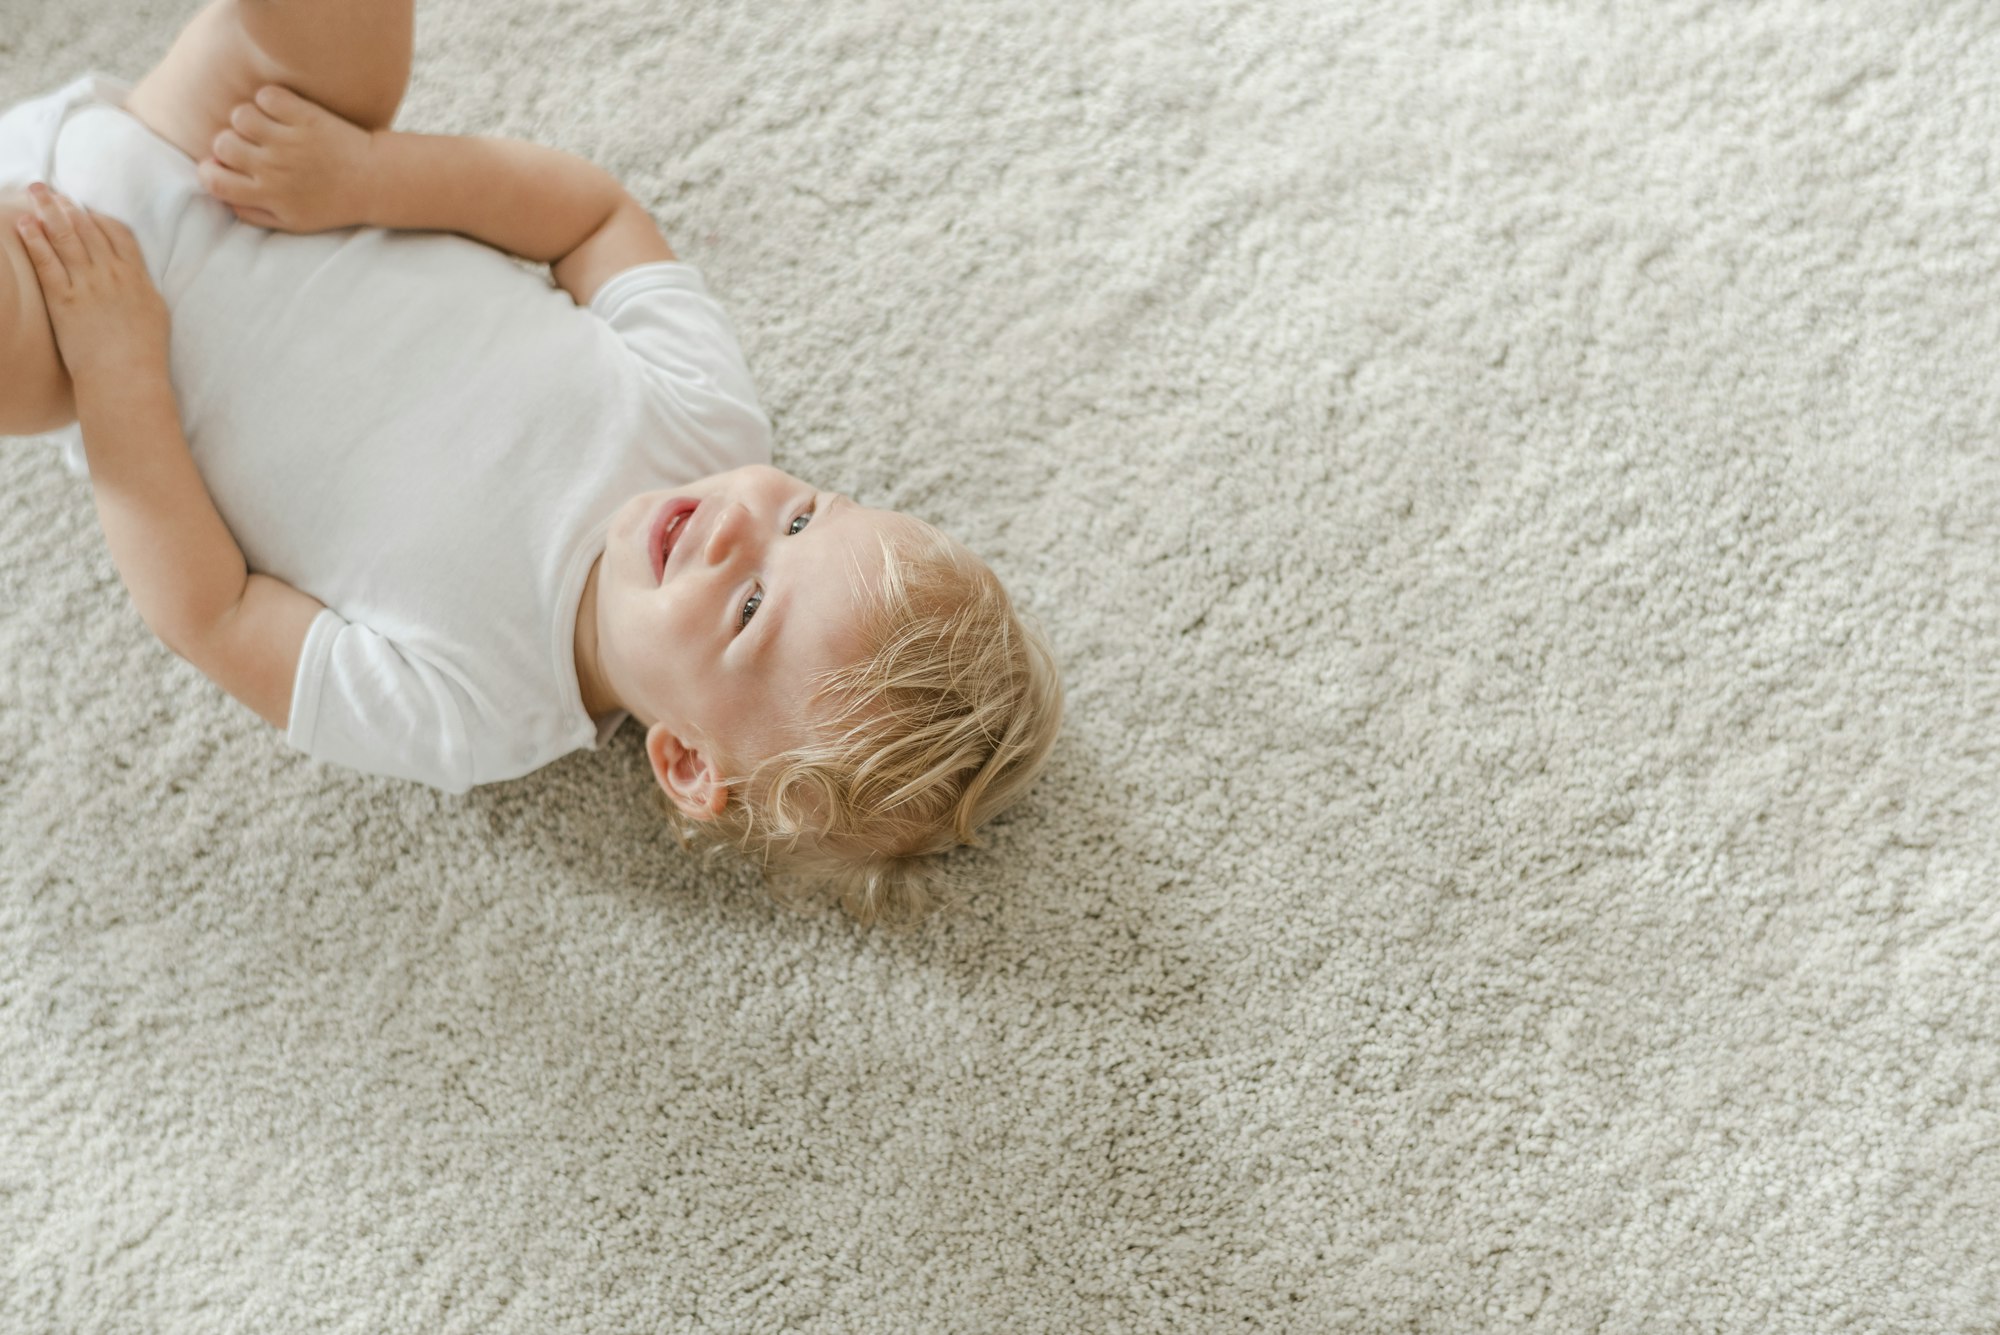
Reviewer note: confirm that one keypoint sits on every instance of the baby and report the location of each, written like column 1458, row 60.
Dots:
column 438, row 519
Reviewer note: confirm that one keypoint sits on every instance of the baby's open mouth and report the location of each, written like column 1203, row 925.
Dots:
column 672, row 523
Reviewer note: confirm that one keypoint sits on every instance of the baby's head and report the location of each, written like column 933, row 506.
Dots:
column 837, row 692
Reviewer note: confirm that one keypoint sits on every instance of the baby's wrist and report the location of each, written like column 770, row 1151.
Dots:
column 375, row 166
column 396, row 181
column 121, row 373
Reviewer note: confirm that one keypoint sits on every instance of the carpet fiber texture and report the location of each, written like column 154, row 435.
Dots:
column 1516, row 492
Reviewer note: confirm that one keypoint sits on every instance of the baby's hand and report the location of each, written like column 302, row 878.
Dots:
column 109, row 319
column 290, row 164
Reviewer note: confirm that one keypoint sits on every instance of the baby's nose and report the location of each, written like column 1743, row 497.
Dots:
column 731, row 529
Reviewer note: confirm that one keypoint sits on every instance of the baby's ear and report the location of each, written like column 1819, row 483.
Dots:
column 689, row 777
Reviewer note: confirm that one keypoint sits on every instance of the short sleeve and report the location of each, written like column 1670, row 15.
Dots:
column 362, row 702
column 678, row 333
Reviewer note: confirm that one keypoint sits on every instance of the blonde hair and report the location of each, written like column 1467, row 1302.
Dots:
column 942, row 721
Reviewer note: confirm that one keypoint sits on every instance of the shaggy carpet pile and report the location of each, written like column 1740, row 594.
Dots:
column 1515, row 488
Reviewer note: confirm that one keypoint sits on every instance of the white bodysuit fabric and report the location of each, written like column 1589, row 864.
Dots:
column 418, row 431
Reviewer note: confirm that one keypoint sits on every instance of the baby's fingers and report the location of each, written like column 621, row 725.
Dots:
column 67, row 240
column 59, row 223
column 249, row 121
column 50, row 270
column 224, row 182
column 92, row 233
column 281, row 104
column 233, row 151
column 117, row 237
column 236, row 190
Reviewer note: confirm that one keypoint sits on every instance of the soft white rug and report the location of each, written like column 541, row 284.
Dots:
column 1516, row 488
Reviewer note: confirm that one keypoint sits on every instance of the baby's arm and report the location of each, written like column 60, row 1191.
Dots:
column 177, row 557
column 291, row 164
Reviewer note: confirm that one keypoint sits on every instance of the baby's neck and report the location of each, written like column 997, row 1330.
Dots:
column 597, row 697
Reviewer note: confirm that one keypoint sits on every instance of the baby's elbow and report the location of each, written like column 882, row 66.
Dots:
column 176, row 636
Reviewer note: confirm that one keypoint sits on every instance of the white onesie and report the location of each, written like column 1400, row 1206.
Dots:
column 417, row 431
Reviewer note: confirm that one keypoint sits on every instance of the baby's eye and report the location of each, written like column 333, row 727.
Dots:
column 750, row 606
column 798, row 524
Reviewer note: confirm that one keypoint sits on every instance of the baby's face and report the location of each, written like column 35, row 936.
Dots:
column 718, row 603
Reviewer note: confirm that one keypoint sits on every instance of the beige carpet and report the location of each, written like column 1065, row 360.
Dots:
column 1516, row 488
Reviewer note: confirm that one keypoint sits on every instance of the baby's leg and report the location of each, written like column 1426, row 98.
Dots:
column 34, row 389
column 351, row 56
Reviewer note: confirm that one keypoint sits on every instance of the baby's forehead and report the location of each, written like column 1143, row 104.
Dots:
column 849, row 594
column 853, row 566
column 890, row 528
column 865, row 533
column 826, row 591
